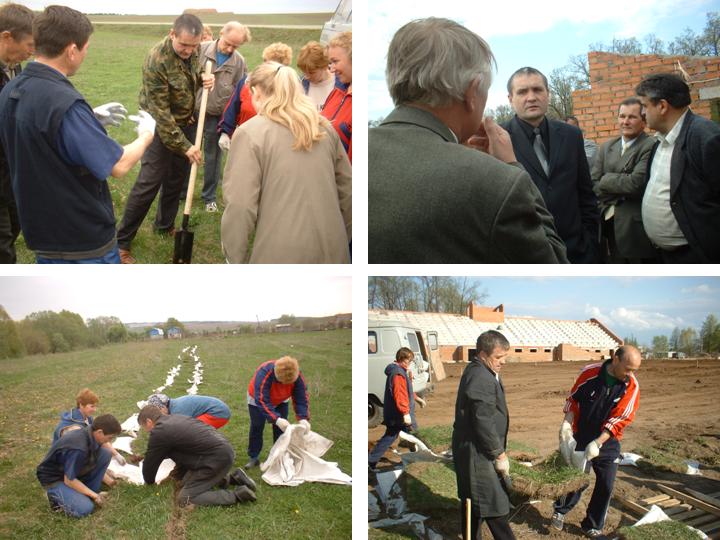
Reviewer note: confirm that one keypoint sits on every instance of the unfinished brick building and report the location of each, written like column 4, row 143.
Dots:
column 531, row 339
column 613, row 77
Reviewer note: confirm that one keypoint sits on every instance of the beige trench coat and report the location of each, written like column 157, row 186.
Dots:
column 298, row 203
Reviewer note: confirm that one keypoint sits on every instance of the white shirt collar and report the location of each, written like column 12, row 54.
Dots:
column 672, row 135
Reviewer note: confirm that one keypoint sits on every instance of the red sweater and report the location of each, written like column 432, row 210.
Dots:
column 338, row 109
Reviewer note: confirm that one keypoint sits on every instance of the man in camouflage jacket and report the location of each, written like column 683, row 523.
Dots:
column 171, row 78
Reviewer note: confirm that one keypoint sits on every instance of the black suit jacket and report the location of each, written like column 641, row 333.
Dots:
column 695, row 185
column 567, row 192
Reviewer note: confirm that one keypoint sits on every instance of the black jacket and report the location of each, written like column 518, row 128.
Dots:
column 568, row 192
column 6, row 195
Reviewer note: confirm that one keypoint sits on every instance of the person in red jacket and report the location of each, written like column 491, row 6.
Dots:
column 602, row 403
column 338, row 106
column 274, row 383
column 398, row 406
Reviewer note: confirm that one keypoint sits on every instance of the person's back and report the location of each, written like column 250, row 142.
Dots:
column 198, row 405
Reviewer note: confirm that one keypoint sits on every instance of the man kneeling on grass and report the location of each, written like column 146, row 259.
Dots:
column 74, row 467
column 203, row 459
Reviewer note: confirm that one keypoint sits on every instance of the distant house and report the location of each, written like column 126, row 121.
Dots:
column 174, row 333
column 286, row 327
column 156, row 333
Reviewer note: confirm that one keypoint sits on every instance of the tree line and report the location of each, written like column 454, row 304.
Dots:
column 690, row 341
column 440, row 294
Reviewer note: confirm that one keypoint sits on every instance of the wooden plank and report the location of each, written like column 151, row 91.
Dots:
column 669, row 503
column 704, row 497
column 656, row 499
column 635, row 507
column 715, row 494
column 680, row 508
column 710, row 526
column 690, row 499
column 707, row 518
column 688, row 515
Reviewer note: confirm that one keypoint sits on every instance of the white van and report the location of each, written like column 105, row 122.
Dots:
column 340, row 22
column 384, row 340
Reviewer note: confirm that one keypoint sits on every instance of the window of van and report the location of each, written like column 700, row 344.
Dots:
column 390, row 342
column 413, row 341
column 372, row 342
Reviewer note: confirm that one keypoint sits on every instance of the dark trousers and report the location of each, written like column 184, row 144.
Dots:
column 499, row 526
column 9, row 231
column 198, row 484
column 257, row 426
column 683, row 255
column 609, row 249
column 385, row 442
column 159, row 168
column 213, row 159
column 605, row 469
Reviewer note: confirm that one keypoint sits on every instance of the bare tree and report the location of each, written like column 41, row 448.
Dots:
column 654, row 45
column 501, row 114
column 711, row 34
column 440, row 294
column 689, row 44
column 562, row 84
column 579, row 68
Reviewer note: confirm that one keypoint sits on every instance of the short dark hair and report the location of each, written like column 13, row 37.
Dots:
column 571, row 117
column 633, row 101
column 189, row 24
column 668, row 86
column 488, row 341
column 108, row 423
column 527, row 70
column 60, row 26
column 404, row 353
column 17, row 20
column 149, row 412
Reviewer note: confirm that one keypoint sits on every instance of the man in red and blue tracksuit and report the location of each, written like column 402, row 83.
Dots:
column 602, row 403
column 398, row 404
column 274, row 383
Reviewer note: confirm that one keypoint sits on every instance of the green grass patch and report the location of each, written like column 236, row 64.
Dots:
column 664, row 530
column 436, row 437
column 112, row 71
column 35, row 390
column 214, row 19
column 668, row 455
column 552, row 470
column 430, row 487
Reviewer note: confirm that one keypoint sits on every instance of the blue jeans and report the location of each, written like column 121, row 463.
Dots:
column 257, row 426
column 74, row 503
column 111, row 257
column 213, row 158
column 385, row 442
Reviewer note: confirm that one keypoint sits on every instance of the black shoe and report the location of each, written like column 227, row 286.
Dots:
column 254, row 462
column 245, row 494
column 240, row 478
column 372, row 468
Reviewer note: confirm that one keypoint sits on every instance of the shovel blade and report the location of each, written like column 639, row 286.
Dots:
column 183, row 247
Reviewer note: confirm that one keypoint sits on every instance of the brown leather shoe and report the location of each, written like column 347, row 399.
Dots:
column 126, row 257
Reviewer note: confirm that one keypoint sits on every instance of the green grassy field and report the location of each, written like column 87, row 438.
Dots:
column 112, row 71
column 296, row 19
column 34, row 390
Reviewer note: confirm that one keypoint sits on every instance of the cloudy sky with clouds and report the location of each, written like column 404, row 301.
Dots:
column 641, row 306
column 525, row 32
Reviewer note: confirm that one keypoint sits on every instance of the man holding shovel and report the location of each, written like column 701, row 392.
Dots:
column 171, row 79
column 601, row 404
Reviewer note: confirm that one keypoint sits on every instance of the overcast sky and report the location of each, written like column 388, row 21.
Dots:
column 164, row 7
column 217, row 293
column 530, row 33
column 641, row 306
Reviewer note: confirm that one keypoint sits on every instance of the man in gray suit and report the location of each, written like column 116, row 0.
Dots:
column 430, row 199
column 619, row 181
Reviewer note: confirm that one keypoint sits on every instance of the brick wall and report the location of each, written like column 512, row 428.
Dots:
column 486, row 314
column 613, row 77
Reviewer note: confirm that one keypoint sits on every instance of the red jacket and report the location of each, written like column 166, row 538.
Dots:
column 239, row 109
column 338, row 109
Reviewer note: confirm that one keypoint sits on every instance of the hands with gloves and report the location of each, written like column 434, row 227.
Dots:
column 121, row 460
column 305, row 424
column 145, row 123
column 502, row 464
column 224, row 142
column 567, row 442
column 110, row 114
column 592, row 450
column 282, row 424
column 407, row 420
column 420, row 401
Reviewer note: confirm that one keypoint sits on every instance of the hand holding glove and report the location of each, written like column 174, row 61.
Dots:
column 592, row 450
column 224, row 142
column 502, row 464
column 407, row 420
column 145, row 123
column 282, row 424
column 110, row 114
column 420, row 401
column 566, row 432
column 305, row 424
column 121, row 460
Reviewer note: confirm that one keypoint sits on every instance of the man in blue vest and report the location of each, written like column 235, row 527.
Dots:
column 58, row 152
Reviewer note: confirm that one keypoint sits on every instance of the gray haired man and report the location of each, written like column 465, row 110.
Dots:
column 430, row 199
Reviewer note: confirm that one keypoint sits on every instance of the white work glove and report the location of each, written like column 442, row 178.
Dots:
column 592, row 450
column 407, row 420
column 305, row 424
column 145, row 123
column 224, row 142
column 282, row 423
column 120, row 459
column 420, row 401
column 566, row 432
column 110, row 114
column 502, row 465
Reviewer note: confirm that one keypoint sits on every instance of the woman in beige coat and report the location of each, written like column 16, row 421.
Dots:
column 287, row 180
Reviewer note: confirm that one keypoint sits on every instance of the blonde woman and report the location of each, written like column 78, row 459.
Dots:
column 287, row 179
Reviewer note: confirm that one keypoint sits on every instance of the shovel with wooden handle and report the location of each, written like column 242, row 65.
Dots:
column 184, row 237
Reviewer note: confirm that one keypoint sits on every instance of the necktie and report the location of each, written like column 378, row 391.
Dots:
column 540, row 151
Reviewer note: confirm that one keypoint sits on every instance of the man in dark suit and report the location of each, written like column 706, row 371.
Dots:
column 554, row 155
column 619, row 179
column 430, row 199
column 479, row 439
column 681, row 205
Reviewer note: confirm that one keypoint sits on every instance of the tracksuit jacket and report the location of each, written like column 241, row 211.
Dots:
column 399, row 396
column 268, row 393
column 596, row 406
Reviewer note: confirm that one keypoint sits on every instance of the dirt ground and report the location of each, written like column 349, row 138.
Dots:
column 679, row 403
